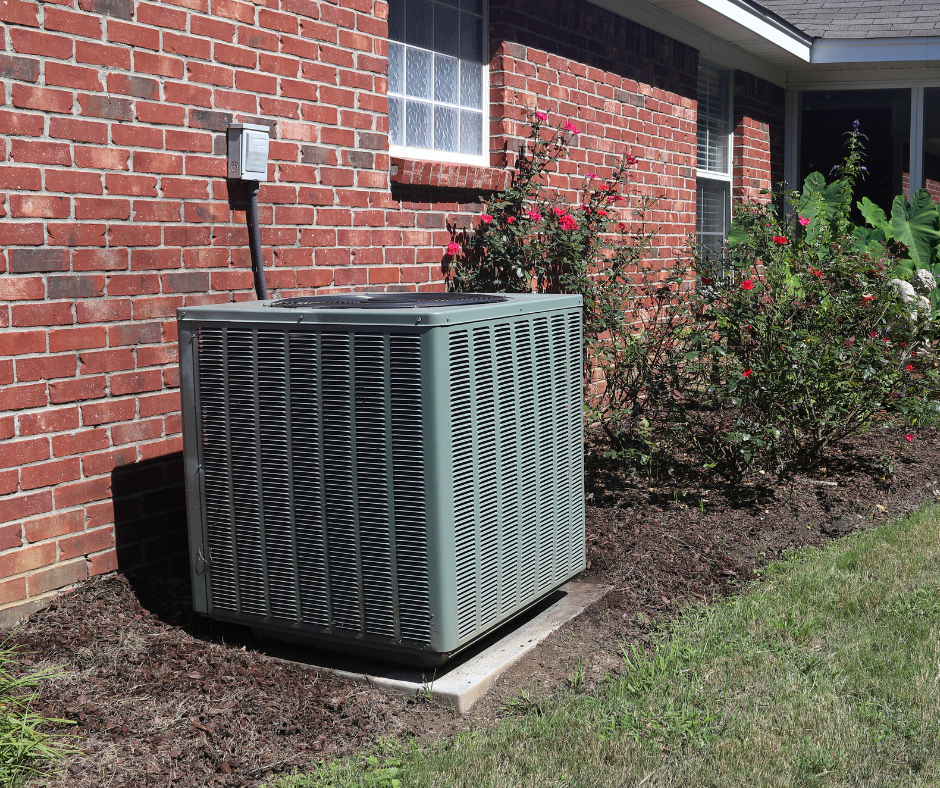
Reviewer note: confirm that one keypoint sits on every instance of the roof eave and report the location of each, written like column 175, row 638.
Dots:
column 876, row 50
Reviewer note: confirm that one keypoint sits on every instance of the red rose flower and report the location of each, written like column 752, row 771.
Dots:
column 748, row 372
column 453, row 248
column 779, row 239
column 747, row 284
column 567, row 222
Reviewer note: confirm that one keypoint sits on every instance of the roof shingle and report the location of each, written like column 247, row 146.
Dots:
column 859, row 19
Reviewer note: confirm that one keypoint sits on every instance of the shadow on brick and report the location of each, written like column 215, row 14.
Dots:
column 150, row 516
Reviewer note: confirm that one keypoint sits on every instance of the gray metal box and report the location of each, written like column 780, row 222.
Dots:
column 397, row 481
column 248, row 145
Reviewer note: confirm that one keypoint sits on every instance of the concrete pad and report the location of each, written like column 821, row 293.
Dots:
column 466, row 679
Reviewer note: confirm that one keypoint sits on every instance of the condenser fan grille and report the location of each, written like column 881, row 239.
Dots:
column 388, row 301
column 312, row 452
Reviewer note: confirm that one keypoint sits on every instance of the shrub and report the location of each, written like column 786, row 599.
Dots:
column 794, row 341
column 804, row 340
column 530, row 237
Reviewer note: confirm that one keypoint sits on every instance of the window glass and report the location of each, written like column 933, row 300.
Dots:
column 436, row 68
column 714, row 115
column 884, row 117
column 713, row 201
column 931, row 168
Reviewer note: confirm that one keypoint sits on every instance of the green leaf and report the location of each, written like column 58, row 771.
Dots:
column 914, row 224
column 869, row 239
column 819, row 203
column 737, row 234
column 875, row 216
column 904, row 268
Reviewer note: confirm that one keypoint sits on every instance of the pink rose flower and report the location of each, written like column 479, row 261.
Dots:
column 510, row 219
column 535, row 216
column 453, row 248
column 567, row 222
column 909, row 438
column 804, row 221
column 559, row 211
column 569, row 126
column 486, row 218
column 541, row 116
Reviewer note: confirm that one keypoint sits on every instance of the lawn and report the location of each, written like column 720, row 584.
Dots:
column 824, row 672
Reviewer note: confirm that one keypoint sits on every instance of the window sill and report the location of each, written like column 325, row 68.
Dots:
column 408, row 172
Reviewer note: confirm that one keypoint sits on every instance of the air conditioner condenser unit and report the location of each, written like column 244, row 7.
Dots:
column 389, row 474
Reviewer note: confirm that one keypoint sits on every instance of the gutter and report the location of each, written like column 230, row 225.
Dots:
column 875, row 50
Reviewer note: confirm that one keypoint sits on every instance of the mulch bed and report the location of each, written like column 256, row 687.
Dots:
column 163, row 697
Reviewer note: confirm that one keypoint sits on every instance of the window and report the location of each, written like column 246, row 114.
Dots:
column 930, row 169
column 437, row 97
column 884, row 117
column 713, row 183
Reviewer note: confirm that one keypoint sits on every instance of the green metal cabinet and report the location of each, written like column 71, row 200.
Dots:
column 393, row 481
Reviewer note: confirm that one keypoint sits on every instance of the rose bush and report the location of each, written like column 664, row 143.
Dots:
column 804, row 340
column 532, row 238
column 791, row 340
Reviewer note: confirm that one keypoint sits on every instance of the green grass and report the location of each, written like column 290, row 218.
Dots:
column 824, row 673
column 26, row 745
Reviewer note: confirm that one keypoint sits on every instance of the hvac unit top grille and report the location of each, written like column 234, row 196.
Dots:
column 388, row 301
column 402, row 488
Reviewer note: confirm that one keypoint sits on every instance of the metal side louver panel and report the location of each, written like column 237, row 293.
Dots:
column 515, row 395
column 311, row 446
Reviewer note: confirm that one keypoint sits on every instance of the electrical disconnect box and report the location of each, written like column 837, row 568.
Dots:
column 248, row 151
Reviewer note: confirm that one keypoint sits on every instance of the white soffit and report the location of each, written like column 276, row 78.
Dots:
column 729, row 32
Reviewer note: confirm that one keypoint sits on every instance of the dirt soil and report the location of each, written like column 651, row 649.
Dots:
column 164, row 697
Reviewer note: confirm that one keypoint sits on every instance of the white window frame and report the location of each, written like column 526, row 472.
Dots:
column 448, row 157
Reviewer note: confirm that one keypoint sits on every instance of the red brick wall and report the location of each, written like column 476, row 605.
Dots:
column 758, row 135
column 114, row 211
column 628, row 90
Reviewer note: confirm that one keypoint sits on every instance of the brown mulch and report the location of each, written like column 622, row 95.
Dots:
column 163, row 697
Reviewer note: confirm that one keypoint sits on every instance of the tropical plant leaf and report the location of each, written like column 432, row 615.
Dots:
column 820, row 204
column 869, row 239
column 914, row 224
column 875, row 217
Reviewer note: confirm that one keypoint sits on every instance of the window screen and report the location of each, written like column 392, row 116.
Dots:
column 714, row 105
column 435, row 71
column 713, row 202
